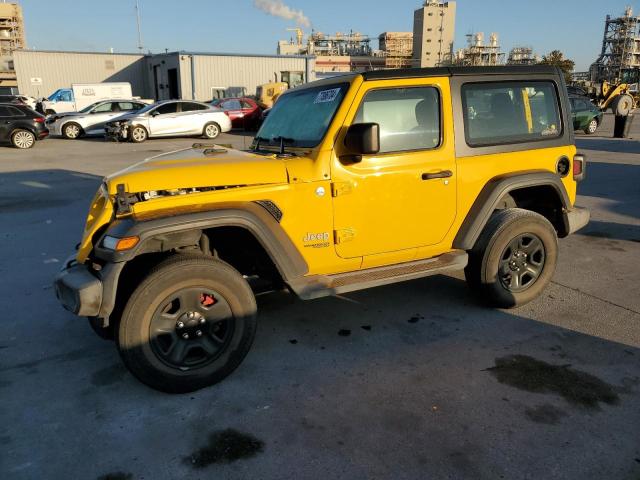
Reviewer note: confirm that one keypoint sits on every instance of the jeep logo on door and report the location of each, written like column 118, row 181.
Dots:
column 316, row 240
column 88, row 92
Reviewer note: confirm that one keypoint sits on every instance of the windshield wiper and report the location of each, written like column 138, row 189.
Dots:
column 282, row 141
column 258, row 139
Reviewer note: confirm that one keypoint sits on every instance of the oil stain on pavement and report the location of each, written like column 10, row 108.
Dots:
column 577, row 387
column 225, row 446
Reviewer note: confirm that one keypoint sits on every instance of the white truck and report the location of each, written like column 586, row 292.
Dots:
column 81, row 95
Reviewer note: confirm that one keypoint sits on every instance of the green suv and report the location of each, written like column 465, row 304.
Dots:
column 585, row 115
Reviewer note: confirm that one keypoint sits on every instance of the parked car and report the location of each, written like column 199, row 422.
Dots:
column 170, row 118
column 576, row 90
column 244, row 112
column 474, row 170
column 585, row 115
column 22, row 99
column 20, row 125
column 91, row 119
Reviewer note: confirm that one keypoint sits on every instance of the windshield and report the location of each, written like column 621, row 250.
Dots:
column 89, row 107
column 300, row 118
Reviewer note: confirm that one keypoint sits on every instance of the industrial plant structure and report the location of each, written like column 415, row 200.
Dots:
column 397, row 48
column 477, row 53
column 433, row 33
column 11, row 39
column 342, row 52
column 619, row 58
column 522, row 56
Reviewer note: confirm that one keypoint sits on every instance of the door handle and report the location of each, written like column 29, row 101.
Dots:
column 441, row 174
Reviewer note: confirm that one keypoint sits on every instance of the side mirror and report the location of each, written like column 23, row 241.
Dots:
column 362, row 139
column 155, row 113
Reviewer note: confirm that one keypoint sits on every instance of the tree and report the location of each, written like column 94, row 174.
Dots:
column 556, row 58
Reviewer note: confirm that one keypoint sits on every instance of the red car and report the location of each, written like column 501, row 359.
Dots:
column 243, row 112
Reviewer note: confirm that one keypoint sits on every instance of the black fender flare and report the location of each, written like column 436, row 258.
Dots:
column 156, row 227
column 495, row 189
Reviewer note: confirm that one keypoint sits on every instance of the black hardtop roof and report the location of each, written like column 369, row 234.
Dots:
column 461, row 71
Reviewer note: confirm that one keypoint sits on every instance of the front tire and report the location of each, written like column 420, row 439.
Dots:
column 591, row 127
column 138, row 134
column 71, row 131
column 514, row 258
column 211, row 130
column 23, row 139
column 188, row 325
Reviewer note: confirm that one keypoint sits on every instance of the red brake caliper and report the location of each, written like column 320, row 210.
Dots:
column 207, row 300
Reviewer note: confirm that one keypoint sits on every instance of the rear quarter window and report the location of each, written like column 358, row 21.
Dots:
column 500, row 113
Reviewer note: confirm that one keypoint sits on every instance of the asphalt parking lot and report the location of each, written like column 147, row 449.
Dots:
column 414, row 380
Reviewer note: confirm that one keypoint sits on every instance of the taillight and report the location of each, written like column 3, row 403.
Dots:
column 38, row 119
column 226, row 113
column 579, row 164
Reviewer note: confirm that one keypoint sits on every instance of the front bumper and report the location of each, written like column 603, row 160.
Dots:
column 86, row 292
column 78, row 289
column 116, row 132
column 577, row 218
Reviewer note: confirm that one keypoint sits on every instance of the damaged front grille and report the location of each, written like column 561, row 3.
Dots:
column 125, row 200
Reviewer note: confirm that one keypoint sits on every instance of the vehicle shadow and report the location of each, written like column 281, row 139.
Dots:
column 609, row 181
column 614, row 145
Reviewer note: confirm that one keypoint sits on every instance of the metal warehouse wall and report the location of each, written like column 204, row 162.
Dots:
column 61, row 69
column 235, row 72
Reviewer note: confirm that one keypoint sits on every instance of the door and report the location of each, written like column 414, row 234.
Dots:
column 100, row 115
column 164, row 120
column 192, row 117
column 404, row 197
column 172, row 75
column 233, row 107
column 6, row 121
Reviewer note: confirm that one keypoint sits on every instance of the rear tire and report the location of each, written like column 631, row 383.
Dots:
column 172, row 339
column 71, row 131
column 211, row 130
column 514, row 258
column 23, row 139
column 138, row 134
column 622, row 105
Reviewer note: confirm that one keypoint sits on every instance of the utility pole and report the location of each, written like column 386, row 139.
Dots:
column 140, row 47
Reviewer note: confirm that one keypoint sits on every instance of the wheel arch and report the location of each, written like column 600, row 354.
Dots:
column 248, row 224
column 539, row 191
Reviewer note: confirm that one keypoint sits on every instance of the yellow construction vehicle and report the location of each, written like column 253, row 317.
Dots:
column 617, row 96
column 268, row 93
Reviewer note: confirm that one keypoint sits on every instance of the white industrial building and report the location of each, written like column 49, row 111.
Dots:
column 186, row 75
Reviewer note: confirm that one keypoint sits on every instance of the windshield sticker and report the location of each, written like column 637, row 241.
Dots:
column 550, row 131
column 326, row 96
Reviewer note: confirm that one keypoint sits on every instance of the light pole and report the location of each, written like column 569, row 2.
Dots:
column 140, row 47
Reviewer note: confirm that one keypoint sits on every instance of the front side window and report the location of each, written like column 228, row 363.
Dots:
column 510, row 112
column 300, row 118
column 231, row 105
column 409, row 118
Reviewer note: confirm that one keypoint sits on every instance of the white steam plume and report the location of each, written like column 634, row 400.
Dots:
column 279, row 9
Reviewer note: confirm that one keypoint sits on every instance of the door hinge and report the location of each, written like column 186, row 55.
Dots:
column 341, row 188
column 344, row 235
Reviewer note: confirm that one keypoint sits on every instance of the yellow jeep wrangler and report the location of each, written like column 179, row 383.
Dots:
column 352, row 182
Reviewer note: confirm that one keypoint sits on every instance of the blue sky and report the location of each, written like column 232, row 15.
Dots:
column 573, row 26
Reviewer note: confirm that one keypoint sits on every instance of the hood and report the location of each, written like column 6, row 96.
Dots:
column 126, row 116
column 193, row 168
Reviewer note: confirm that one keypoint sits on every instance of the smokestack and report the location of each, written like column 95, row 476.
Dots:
column 277, row 8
